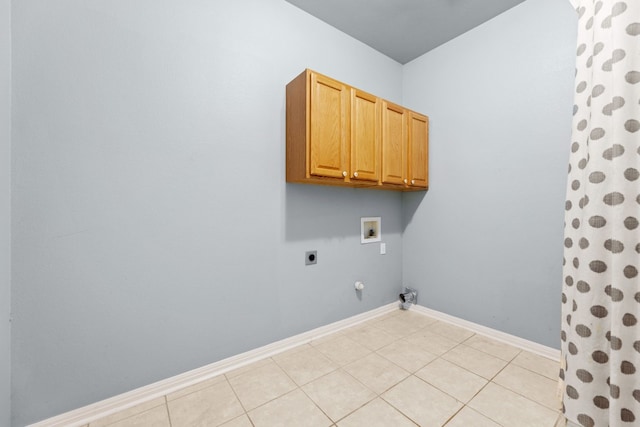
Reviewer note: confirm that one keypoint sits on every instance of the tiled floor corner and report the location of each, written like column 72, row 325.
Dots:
column 401, row 369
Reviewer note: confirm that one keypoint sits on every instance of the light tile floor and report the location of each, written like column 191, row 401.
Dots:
column 401, row 369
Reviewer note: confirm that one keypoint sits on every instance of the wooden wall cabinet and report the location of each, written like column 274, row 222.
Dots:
column 418, row 156
column 395, row 136
column 340, row 135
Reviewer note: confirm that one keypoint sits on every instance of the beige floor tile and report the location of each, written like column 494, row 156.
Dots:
column 432, row 342
column 247, row 368
column 563, row 422
column 406, row 355
column 414, row 318
column 452, row 379
column 128, row 413
column 292, row 409
column 370, row 336
column 423, row 403
column 538, row 364
column 261, row 385
column 510, row 409
column 452, row 332
column 399, row 326
column 195, row 387
column 476, row 361
column 292, row 351
column 467, row 417
column 531, row 385
column 392, row 313
column 317, row 341
column 338, row 394
column 376, row 413
column 211, row 406
column 241, row 421
column 493, row 347
column 306, row 365
column 157, row 416
column 376, row 372
column 342, row 350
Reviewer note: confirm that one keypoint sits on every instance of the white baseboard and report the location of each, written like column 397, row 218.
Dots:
column 82, row 416
column 85, row 415
column 533, row 347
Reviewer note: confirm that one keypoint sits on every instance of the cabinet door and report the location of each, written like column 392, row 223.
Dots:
column 418, row 149
column 394, row 144
column 365, row 136
column 329, row 127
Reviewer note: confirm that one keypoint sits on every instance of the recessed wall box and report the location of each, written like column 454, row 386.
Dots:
column 370, row 230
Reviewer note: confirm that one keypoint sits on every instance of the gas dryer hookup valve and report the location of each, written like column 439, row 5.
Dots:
column 407, row 297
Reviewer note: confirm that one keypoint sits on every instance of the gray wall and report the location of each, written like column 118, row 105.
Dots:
column 154, row 232
column 149, row 192
column 5, row 210
column 485, row 243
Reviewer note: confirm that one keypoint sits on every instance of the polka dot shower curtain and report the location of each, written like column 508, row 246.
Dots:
column 600, row 338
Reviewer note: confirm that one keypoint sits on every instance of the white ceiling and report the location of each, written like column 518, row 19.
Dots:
column 404, row 29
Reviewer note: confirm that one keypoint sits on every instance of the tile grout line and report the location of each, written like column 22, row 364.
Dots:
column 447, row 393
column 532, row 371
column 398, row 409
column 299, row 387
column 479, row 391
column 490, row 354
column 484, row 386
column 454, row 415
column 508, row 362
column 370, row 351
column 493, row 334
column 238, row 398
column 488, row 381
column 343, row 333
column 166, row 405
column 359, row 382
column 358, row 408
column 341, row 368
column 508, row 389
column 522, row 395
column 516, row 392
column 318, row 406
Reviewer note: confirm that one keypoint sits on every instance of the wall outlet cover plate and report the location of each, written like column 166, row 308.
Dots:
column 310, row 257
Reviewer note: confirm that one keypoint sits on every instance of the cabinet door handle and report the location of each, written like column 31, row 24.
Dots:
column 344, row 173
column 405, row 180
column 413, row 181
column 355, row 174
